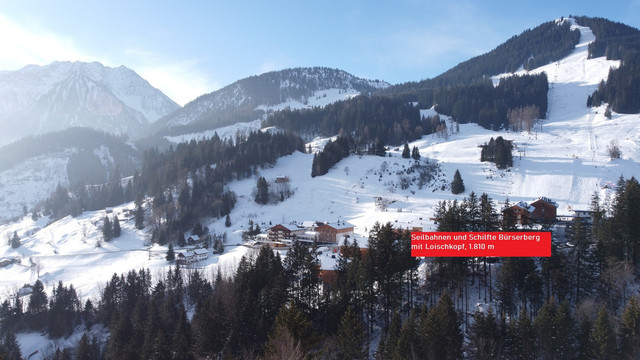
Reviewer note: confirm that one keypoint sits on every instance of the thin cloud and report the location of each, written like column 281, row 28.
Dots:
column 22, row 47
column 180, row 80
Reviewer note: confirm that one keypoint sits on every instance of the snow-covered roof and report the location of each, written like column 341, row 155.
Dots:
column 547, row 200
column 525, row 206
column 200, row 251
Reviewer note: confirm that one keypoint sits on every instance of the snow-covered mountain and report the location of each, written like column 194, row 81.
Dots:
column 248, row 99
column 40, row 99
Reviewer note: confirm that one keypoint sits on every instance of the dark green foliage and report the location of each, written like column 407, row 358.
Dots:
column 603, row 340
column 457, row 185
column 64, row 309
column 616, row 41
column 441, row 331
column 219, row 162
column 333, row 152
column 262, row 193
column 117, row 231
column 260, row 292
column 171, row 255
column 352, row 343
column 498, row 151
column 622, row 88
column 139, row 218
column 613, row 39
column 547, row 42
column 291, row 321
column 37, row 310
column 87, row 350
column 10, row 349
column 415, row 153
column 227, row 221
column 301, row 267
column 391, row 120
column 211, row 326
column 107, row 229
column 405, row 151
column 389, row 259
column 15, row 241
column 485, row 336
column 629, row 330
column 83, row 139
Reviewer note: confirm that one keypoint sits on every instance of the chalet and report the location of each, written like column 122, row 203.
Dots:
column 194, row 240
column 334, row 234
column 263, row 239
column 190, row 257
column 278, row 233
column 544, row 210
column 522, row 212
column 282, row 180
column 200, row 254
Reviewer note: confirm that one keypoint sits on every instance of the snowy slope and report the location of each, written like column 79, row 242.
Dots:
column 40, row 99
column 565, row 159
column 319, row 98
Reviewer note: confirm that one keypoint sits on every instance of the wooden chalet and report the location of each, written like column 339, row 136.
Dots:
column 278, row 233
column 333, row 234
column 544, row 210
column 522, row 212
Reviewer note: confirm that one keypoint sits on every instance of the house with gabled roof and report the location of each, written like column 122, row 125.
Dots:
column 278, row 233
column 544, row 210
column 334, row 233
column 522, row 212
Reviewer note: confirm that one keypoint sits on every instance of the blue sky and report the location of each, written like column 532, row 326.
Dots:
column 190, row 48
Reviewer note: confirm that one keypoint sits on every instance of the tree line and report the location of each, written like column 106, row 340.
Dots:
column 270, row 308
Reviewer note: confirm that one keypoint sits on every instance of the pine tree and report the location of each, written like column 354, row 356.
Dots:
column 415, row 153
column 11, row 347
column 440, row 331
column 37, row 309
column 485, row 335
column 181, row 240
column 262, row 194
column 227, row 221
column 107, row 229
column 117, row 231
column 86, row 350
column 139, row 218
column 182, row 339
column 603, row 341
column 171, row 255
column 15, row 241
column 406, row 153
column 630, row 330
column 457, row 186
column 352, row 343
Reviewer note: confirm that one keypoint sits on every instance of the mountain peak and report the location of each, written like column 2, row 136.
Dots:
column 247, row 99
column 39, row 99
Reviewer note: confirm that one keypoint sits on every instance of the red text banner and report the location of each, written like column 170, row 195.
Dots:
column 480, row 244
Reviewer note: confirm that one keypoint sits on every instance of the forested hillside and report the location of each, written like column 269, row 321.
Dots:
column 533, row 48
column 185, row 184
column 616, row 41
